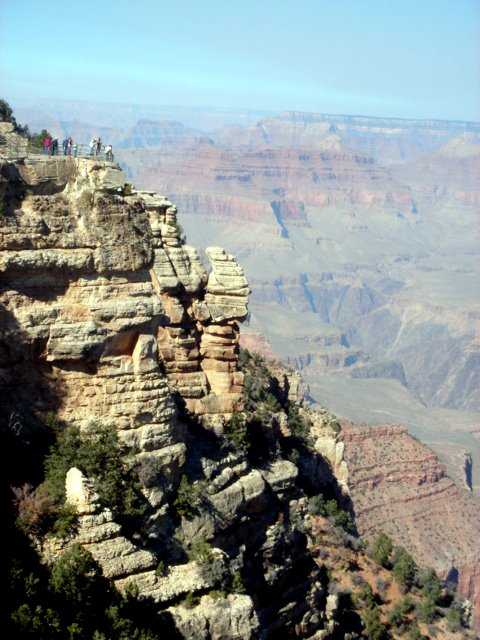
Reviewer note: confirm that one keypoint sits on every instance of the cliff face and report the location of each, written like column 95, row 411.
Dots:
column 398, row 486
column 104, row 294
column 107, row 316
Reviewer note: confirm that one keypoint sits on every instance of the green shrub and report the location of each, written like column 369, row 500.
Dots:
column 374, row 627
column 188, row 496
column 37, row 140
column 161, row 569
column 414, row 632
column 201, row 552
column 403, row 567
column 77, row 577
column 397, row 616
column 294, row 456
column 340, row 518
column 257, row 382
column 317, row 505
column 454, row 620
column 6, row 115
column 236, row 431
column 299, row 426
column 98, row 453
column 66, row 522
column 426, row 611
column 366, row 596
column 381, row 548
column 335, row 426
column 430, row 584
column 236, row 584
column 190, row 601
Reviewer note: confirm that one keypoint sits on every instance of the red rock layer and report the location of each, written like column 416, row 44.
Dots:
column 278, row 182
column 398, row 486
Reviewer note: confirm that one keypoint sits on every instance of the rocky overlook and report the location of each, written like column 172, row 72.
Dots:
column 108, row 317
column 100, row 279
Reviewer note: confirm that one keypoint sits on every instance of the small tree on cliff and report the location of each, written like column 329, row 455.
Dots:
column 37, row 139
column 381, row 548
column 6, row 115
column 404, row 567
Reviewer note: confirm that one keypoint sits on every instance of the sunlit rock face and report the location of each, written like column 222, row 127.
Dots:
column 106, row 311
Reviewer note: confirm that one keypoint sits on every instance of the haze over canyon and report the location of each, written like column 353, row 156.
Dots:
column 359, row 238
column 359, row 241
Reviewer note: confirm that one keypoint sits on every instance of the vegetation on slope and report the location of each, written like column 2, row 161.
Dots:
column 380, row 595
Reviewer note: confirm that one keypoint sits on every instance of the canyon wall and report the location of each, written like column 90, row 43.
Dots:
column 398, row 486
column 108, row 317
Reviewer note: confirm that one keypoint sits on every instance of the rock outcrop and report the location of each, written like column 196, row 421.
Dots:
column 108, row 317
column 101, row 287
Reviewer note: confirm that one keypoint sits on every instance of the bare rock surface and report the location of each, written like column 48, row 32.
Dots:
column 115, row 308
column 230, row 619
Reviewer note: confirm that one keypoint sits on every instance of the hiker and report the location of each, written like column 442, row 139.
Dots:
column 93, row 147
column 108, row 153
column 75, row 149
column 54, row 147
column 69, row 146
column 99, row 147
column 47, row 143
column 64, row 146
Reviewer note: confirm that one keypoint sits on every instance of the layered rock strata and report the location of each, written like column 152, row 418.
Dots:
column 111, row 306
column 398, row 486
column 107, row 316
column 125, row 563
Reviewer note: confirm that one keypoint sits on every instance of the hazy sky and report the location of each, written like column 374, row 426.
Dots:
column 406, row 58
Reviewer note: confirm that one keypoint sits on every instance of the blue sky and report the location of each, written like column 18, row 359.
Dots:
column 404, row 58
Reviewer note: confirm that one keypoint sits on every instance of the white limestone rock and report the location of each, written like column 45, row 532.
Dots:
column 231, row 618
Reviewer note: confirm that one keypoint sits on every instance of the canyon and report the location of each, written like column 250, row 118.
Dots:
column 106, row 310
column 358, row 237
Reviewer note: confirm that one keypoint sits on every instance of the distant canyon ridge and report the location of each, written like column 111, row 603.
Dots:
column 359, row 238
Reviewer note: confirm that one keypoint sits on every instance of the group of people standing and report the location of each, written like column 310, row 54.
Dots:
column 96, row 148
column 50, row 146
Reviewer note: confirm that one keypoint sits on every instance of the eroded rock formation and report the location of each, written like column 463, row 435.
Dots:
column 106, row 295
column 107, row 316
